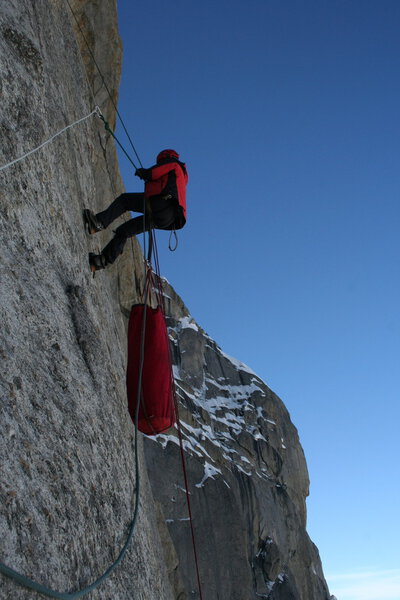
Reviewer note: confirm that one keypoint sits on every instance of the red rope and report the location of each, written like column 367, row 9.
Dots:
column 183, row 460
column 160, row 296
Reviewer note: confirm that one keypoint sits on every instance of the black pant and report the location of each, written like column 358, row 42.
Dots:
column 159, row 212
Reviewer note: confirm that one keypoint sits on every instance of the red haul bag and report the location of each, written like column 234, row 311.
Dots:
column 156, row 410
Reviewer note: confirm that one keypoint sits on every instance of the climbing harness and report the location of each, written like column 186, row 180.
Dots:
column 96, row 112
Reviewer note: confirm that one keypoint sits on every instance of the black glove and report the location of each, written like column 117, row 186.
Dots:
column 143, row 174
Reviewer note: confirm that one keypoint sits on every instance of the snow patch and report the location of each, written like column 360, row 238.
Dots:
column 209, row 473
column 237, row 363
column 187, row 323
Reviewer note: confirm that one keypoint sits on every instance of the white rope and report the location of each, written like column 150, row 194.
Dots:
column 95, row 111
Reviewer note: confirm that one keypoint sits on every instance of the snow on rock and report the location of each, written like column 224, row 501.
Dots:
column 188, row 323
column 238, row 364
column 246, row 470
column 224, row 407
column 224, row 410
column 209, row 471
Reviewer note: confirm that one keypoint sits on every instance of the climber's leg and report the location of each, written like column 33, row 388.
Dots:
column 125, row 202
column 132, row 227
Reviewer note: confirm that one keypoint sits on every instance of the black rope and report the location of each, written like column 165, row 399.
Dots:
column 108, row 128
column 151, row 241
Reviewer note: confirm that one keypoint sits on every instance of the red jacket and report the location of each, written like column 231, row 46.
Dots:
column 168, row 178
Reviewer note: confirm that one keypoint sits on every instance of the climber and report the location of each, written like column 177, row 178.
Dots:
column 163, row 204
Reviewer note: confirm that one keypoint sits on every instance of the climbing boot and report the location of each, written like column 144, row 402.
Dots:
column 92, row 223
column 97, row 262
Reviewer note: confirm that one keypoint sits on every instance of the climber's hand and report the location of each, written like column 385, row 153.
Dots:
column 143, row 174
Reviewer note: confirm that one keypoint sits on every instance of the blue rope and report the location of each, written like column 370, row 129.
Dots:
column 46, row 591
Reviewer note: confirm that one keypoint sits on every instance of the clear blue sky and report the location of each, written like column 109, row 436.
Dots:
column 287, row 114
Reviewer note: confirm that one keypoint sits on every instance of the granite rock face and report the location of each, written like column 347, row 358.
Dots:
column 67, row 482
